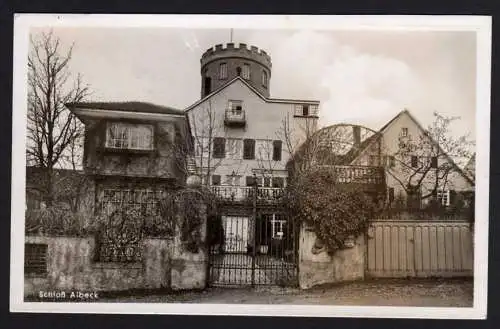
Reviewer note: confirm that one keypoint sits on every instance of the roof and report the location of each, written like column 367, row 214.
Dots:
column 127, row 106
column 266, row 99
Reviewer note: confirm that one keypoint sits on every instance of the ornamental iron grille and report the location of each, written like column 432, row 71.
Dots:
column 253, row 242
column 124, row 214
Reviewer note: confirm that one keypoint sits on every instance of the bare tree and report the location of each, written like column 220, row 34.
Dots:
column 423, row 164
column 207, row 127
column 53, row 131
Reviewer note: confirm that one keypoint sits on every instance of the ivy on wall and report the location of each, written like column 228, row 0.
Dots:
column 334, row 212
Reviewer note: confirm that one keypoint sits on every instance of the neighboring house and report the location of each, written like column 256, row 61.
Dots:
column 242, row 134
column 133, row 151
column 384, row 150
column 470, row 167
column 69, row 187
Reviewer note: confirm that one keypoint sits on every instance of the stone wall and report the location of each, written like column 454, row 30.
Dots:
column 70, row 266
column 315, row 269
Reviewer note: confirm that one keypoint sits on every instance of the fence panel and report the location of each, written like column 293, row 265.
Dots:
column 403, row 248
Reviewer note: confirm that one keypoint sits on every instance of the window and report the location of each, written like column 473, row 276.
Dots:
column 35, row 258
column 219, row 147
column 305, row 110
column 391, row 161
column 236, row 107
column 266, row 182
column 246, row 71
column 234, row 148
column 233, row 180
column 129, row 136
column 278, row 182
column 143, row 200
column 404, row 132
column 443, row 197
column 414, row 161
column 249, row 149
column 264, row 78
column 249, row 181
column 216, row 180
column 434, row 162
column 277, row 150
column 277, row 226
column 223, row 71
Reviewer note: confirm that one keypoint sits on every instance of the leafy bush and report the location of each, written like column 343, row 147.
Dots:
column 334, row 212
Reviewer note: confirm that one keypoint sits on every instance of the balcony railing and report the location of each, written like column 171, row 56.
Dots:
column 234, row 117
column 358, row 174
column 246, row 193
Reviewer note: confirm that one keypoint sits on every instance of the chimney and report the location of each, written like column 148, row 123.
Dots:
column 356, row 133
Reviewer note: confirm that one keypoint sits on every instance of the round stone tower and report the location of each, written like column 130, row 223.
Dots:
column 222, row 64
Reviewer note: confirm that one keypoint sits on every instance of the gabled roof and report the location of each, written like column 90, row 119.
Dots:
column 264, row 98
column 127, row 107
column 421, row 128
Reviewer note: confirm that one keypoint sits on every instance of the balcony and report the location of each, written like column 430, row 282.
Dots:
column 246, row 193
column 235, row 117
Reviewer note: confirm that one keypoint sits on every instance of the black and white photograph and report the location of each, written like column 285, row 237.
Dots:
column 251, row 165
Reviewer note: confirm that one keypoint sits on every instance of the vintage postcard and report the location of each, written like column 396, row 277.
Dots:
column 251, row 165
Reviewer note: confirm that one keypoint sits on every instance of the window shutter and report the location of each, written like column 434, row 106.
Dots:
column 277, row 150
column 249, row 149
column 219, row 147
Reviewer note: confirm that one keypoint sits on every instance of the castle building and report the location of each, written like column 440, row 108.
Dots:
column 241, row 133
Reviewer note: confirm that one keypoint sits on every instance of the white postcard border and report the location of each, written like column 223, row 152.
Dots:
column 480, row 24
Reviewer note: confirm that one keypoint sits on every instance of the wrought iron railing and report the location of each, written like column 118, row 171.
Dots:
column 234, row 116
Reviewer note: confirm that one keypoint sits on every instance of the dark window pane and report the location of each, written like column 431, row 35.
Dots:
column 414, row 161
column 249, row 180
column 434, row 162
column 305, row 110
column 278, row 182
column 215, row 179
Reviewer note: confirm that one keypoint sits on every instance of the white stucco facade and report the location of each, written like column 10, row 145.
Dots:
column 265, row 121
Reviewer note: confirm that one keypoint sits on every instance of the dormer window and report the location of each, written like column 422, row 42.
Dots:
column 129, row 136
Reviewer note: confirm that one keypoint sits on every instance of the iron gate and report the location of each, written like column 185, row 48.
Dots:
column 253, row 241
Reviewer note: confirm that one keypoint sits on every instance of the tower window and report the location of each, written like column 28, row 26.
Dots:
column 246, row 71
column 264, row 78
column 223, row 71
column 238, row 71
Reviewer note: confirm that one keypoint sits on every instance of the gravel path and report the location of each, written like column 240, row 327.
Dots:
column 435, row 293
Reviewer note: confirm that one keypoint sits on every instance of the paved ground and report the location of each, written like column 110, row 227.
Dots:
column 430, row 293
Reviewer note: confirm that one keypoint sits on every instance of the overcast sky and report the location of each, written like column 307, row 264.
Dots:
column 360, row 77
